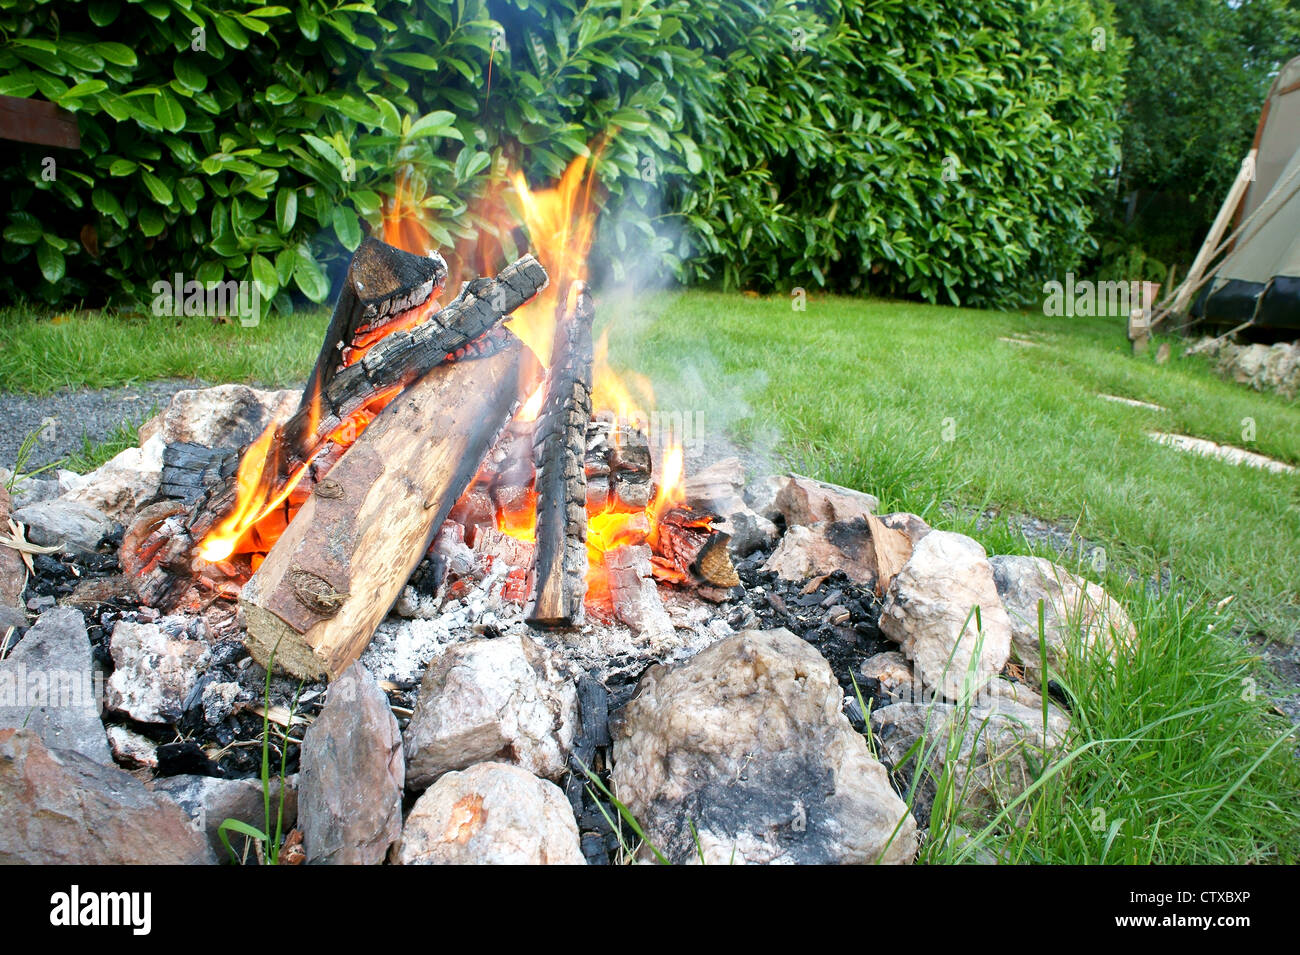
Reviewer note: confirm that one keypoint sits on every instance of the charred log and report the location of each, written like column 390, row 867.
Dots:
column 690, row 551
column 558, row 581
column 630, row 468
column 389, row 366
column 382, row 283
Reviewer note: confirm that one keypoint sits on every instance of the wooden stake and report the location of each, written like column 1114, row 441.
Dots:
column 335, row 572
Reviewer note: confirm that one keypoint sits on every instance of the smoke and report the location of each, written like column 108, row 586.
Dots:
column 658, row 330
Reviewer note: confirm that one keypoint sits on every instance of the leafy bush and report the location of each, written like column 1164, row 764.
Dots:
column 751, row 143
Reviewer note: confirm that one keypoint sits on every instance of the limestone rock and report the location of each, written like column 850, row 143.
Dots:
column 209, row 802
column 131, row 749
column 747, row 741
column 75, row 526
column 803, row 500
column 928, row 612
column 59, row 807
column 351, row 779
column 891, row 672
column 126, row 483
column 48, row 684
column 490, row 814
column 1074, row 610
column 1003, row 744
column 227, row 416
column 502, row 699
column 153, row 673
column 863, row 548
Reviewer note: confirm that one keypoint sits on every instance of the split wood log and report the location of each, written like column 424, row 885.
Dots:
column 618, row 464
column 390, row 365
column 596, row 462
column 630, row 467
column 690, row 551
column 382, row 283
column 340, row 565
column 633, row 591
column 558, row 580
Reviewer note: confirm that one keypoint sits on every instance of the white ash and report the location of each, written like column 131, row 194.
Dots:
column 422, row 627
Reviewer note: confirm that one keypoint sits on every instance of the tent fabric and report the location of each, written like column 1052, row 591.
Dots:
column 1260, row 277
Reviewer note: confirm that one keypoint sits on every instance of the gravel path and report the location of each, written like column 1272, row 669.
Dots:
column 63, row 418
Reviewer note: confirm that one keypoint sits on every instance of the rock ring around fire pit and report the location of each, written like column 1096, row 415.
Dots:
column 535, row 598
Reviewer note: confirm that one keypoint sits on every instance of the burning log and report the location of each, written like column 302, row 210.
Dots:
column 632, row 589
column 618, row 466
column 630, row 468
column 388, row 366
column 690, row 550
column 596, row 462
column 383, row 282
column 558, row 582
column 339, row 566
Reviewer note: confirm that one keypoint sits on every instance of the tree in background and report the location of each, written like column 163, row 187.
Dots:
column 1199, row 71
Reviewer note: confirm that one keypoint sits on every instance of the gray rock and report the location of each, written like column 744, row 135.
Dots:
column 209, row 802
column 59, row 807
column 1003, row 748
column 928, row 611
column 12, row 617
column 73, row 525
column 351, row 779
column 49, row 684
column 31, row 490
column 1078, row 615
column 502, row 699
column 746, row 741
column 490, row 814
column 153, row 673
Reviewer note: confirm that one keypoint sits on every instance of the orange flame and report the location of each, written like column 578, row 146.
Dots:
column 560, row 222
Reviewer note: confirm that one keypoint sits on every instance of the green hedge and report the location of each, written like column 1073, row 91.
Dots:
column 759, row 144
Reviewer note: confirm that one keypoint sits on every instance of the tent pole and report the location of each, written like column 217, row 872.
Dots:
column 1182, row 296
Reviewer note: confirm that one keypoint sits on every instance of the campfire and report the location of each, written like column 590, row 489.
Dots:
column 487, row 430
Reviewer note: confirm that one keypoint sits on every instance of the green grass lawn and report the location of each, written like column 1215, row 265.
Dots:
column 929, row 409
column 926, row 405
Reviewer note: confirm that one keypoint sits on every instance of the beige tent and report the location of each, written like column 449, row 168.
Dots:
column 1248, row 270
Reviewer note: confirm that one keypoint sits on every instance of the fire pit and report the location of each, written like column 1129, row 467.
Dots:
column 465, row 526
column 426, row 426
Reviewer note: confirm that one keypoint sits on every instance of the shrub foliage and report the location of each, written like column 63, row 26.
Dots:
column 909, row 147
